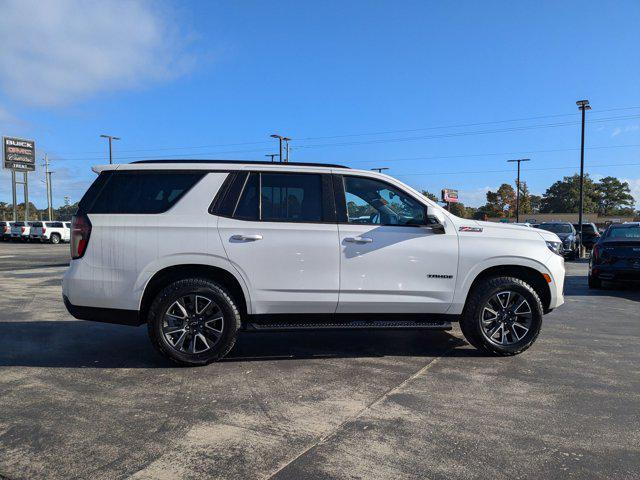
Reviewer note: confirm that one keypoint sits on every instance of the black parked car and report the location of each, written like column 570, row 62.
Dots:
column 590, row 234
column 616, row 256
column 568, row 236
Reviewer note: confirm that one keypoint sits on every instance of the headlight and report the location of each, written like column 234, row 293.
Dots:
column 568, row 240
column 555, row 247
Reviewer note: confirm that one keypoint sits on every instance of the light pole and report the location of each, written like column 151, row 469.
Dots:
column 583, row 106
column 280, row 138
column 380, row 169
column 286, row 140
column 518, row 187
column 271, row 155
column 111, row 138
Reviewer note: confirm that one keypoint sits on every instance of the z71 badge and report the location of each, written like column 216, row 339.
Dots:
column 470, row 229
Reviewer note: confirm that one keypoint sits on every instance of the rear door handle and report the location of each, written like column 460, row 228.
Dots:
column 246, row 238
column 358, row 239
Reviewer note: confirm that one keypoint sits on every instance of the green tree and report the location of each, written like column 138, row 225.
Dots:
column 430, row 195
column 458, row 209
column 501, row 202
column 525, row 198
column 614, row 197
column 65, row 212
column 536, row 202
column 564, row 196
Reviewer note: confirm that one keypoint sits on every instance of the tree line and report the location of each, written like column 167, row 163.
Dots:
column 609, row 196
column 64, row 212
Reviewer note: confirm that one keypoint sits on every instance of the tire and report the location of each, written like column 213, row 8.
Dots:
column 594, row 283
column 180, row 347
column 55, row 238
column 476, row 322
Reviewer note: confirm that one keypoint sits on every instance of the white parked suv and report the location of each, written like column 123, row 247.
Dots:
column 198, row 250
column 21, row 230
column 53, row 232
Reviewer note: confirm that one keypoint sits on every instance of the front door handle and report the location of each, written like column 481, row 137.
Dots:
column 246, row 238
column 358, row 239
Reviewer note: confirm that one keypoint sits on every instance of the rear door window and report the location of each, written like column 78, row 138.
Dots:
column 291, row 197
column 142, row 192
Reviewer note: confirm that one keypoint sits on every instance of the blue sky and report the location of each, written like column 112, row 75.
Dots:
column 214, row 79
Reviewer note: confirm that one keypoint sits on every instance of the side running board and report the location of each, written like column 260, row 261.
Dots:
column 348, row 325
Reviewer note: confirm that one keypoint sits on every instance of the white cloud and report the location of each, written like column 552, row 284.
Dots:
column 475, row 197
column 58, row 51
column 629, row 128
column 634, row 186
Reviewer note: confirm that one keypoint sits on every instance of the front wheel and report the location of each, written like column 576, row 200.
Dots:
column 193, row 321
column 503, row 316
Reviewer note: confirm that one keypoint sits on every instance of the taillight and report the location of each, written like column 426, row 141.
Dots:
column 80, row 232
column 596, row 254
column 44, row 230
column 22, row 229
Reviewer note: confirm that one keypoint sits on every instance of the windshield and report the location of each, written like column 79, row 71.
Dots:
column 556, row 227
column 624, row 233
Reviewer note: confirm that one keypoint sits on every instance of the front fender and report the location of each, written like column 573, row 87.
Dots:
column 465, row 281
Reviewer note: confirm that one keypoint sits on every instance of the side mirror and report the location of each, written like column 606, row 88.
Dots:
column 432, row 223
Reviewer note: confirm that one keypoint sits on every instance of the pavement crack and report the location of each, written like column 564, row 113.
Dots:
column 391, row 391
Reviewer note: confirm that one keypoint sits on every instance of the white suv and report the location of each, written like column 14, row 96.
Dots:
column 198, row 250
column 53, row 232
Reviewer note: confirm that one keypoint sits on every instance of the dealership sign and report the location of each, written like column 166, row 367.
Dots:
column 19, row 154
column 449, row 196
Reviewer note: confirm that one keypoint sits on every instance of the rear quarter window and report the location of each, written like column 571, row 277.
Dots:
column 141, row 192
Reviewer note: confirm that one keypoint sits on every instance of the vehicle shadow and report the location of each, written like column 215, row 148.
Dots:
column 79, row 344
column 576, row 285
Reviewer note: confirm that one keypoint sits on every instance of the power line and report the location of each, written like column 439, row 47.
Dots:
column 502, row 171
column 490, row 154
column 435, row 127
column 463, row 134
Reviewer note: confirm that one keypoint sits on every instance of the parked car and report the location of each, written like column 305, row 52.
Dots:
column 568, row 235
column 20, row 231
column 590, row 234
column 616, row 256
column 286, row 246
column 52, row 232
column 5, row 230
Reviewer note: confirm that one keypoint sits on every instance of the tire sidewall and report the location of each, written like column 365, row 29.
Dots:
column 514, row 285
column 202, row 287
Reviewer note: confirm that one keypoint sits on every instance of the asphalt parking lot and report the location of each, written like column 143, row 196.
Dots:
column 90, row 400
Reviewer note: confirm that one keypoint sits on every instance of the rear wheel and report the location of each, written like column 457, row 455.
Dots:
column 193, row 321
column 594, row 283
column 503, row 316
column 55, row 238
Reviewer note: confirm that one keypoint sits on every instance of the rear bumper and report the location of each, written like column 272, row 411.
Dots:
column 104, row 315
column 610, row 274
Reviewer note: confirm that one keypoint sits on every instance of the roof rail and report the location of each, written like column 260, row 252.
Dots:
column 243, row 162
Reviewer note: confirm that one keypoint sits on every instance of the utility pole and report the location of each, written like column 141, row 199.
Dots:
column 380, row 169
column 583, row 106
column 282, row 139
column 271, row 155
column 518, row 187
column 47, row 179
column 111, row 138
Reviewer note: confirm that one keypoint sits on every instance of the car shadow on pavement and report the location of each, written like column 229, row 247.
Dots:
column 576, row 285
column 79, row 344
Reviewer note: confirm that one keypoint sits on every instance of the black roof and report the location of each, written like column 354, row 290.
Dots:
column 244, row 162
